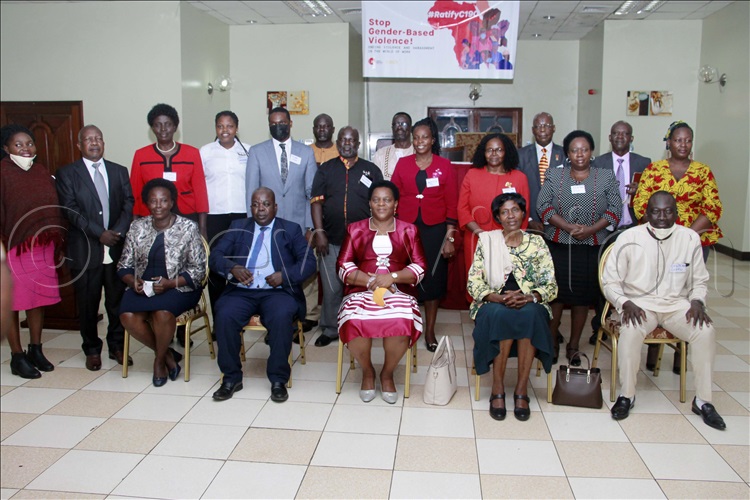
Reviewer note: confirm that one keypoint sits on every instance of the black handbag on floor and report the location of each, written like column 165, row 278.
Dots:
column 578, row 386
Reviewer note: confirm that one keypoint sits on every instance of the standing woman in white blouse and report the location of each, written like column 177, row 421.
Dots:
column 224, row 163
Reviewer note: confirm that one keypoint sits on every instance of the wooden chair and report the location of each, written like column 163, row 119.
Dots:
column 260, row 328
column 186, row 319
column 477, row 378
column 660, row 336
column 411, row 353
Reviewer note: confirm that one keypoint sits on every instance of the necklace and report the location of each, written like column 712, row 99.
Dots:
column 379, row 230
column 174, row 145
column 169, row 223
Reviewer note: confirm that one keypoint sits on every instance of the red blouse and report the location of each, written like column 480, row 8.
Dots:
column 438, row 203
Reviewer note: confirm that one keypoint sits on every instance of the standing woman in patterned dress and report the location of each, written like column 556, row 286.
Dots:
column 690, row 182
column 578, row 204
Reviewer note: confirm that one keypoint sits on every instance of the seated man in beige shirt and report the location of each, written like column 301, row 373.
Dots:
column 655, row 276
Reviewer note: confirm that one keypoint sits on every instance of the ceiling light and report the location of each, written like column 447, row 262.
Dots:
column 312, row 8
column 548, row 17
column 251, row 21
column 652, row 6
column 536, row 35
column 627, row 7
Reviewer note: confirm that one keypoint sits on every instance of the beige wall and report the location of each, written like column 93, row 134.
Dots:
column 590, row 57
column 649, row 55
column 722, row 133
column 102, row 53
column 356, row 85
column 546, row 79
column 312, row 57
column 204, row 44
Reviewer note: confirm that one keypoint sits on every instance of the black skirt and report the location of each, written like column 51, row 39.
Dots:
column 577, row 273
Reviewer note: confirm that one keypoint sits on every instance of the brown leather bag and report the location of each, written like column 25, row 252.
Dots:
column 578, row 386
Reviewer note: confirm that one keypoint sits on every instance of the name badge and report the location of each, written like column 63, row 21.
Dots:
column 509, row 190
column 171, row 176
column 364, row 180
column 678, row 268
column 295, row 159
column 578, row 189
column 433, row 182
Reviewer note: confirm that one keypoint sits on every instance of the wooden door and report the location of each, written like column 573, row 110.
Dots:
column 55, row 125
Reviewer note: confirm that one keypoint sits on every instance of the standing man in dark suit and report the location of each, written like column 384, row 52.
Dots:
column 99, row 204
column 535, row 159
column 287, row 168
column 266, row 259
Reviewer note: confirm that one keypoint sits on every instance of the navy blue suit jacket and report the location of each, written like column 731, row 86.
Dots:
column 290, row 254
column 528, row 163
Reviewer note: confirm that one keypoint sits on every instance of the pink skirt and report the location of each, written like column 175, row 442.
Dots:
column 360, row 316
column 34, row 277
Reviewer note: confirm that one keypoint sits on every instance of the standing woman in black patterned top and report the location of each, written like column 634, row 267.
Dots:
column 577, row 204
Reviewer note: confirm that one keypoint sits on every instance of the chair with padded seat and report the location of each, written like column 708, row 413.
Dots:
column 611, row 326
column 411, row 355
column 258, row 326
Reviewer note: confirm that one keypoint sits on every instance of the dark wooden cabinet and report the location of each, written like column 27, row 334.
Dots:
column 451, row 121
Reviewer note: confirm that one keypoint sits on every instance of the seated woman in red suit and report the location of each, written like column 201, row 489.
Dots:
column 381, row 261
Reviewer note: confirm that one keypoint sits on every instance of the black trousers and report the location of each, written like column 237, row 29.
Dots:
column 88, row 288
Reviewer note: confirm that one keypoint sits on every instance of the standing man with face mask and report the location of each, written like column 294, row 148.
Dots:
column 288, row 168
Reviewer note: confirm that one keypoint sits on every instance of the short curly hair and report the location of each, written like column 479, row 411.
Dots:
column 8, row 131
column 511, row 153
column 159, row 182
column 575, row 135
column 430, row 124
column 163, row 110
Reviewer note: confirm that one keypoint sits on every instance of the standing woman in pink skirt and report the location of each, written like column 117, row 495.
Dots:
column 31, row 227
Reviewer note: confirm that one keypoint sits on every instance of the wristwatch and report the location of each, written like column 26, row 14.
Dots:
column 451, row 239
column 533, row 297
column 394, row 276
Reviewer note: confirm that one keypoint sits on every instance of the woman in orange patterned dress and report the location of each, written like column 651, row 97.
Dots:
column 690, row 182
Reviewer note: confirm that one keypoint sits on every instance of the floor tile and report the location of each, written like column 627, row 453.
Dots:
column 595, row 488
column 709, row 490
column 235, row 411
column 325, row 372
column 21, row 464
column 199, row 385
column 200, row 441
column 79, row 361
column 6, row 493
column 737, row 431
column 434, row 485
column 11, row 422
column 437, row 422
column 693, row 462
column 729, row 363
column 54, row 431
column 598, row 459
column 364, row 419
column 281, row 446
column 584, row 427
column 649, row 428
column 535, row 428
column 64, row 341
column 308, row 391
column 361, row 451
column 738, row 457
column 299, row 416
column 461, row 400
column 56, row 495
column 258, row 481
column 345, row 483
column 517, row 457
column 737, row 346
column 170, row 477
column 162, row 407
column 729, row 381
column 113, row 381
column 126, row 436
column 74, row 472
column 65, row 378
column 653, row 402
column 512, row 487
column 5, row 389
column 437, row 454
column 30, row 400
column 92, row 404
column 742, row 398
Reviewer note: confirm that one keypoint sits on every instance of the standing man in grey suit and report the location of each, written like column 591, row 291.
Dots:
column 288, row 168
column 535, row 159
column 99, row 205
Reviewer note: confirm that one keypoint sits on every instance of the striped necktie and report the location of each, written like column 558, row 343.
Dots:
column 543, row 166
column 284, row 163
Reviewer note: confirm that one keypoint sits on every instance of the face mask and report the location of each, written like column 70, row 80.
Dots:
column 279, row 131
column 23, row 161
column 661, row 233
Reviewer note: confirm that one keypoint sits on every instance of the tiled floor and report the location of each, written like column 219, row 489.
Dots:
column 78, row 434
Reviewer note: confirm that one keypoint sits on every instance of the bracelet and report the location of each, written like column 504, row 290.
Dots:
column 369, row 282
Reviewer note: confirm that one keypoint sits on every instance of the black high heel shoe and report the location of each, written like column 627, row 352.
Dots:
column 570, row 353
column 497, row 413
column 175, row 372
column 431, row 346
column 522, row 414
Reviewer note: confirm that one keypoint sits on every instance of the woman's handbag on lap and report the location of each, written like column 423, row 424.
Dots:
column 578, row 386
column 440, row 385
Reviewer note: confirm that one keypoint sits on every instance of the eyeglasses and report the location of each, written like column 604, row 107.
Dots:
column 491, row 151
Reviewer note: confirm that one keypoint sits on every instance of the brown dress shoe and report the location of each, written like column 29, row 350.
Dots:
column 118, row 355
column 93, row 362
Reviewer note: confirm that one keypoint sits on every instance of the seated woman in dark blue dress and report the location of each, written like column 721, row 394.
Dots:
column 163, row 264
column 511, row 280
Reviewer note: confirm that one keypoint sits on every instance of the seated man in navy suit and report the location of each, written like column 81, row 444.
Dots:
column 266, row 259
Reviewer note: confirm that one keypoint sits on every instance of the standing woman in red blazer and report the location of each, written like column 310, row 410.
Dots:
column 429, row 200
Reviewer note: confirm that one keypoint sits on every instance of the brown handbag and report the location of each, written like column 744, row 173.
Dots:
column 578, row 386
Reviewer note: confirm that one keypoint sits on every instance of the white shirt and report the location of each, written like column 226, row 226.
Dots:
column 225, row 177
column 287, row 148
column 551, row 161
column 386, row 158
column 90, row 167
column 264, row 263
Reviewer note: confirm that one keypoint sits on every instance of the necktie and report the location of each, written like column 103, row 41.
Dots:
column 101, row 190
column 625, row 220
column 543, row 165
column 284, row 164
column 252, row 261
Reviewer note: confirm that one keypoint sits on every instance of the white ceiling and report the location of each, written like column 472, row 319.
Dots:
column 571, row 20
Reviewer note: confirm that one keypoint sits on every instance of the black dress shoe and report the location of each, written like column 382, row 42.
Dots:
column 93, row 362
column 572, row 354
column 497, row 413
column 652, row 357
column 279, row 393
column 308, row 325
column 36, row 356
column 592, row 339
column 522, row 414
column 21, row 366
column 159, row 381
column 119, row 357
column 227, row 390
column 323, row 340
column 710, row 416
column 622, row 407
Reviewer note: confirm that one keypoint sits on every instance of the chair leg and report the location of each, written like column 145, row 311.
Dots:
column 188, row 326
column 538, row 367
column 291, row 362
column 476, row 386
column 301, row 333
column 126, row 352
column 242, row 345
column 340, row 367
column 209, row 337
column 683, row 370
column 407, row 382
column 414, row 358
column 549, row 387
column 597, row 346
column 657, row 366
column 351, row 361
column 613, row 381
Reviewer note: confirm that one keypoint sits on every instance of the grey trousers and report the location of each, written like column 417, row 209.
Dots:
column 333, row 290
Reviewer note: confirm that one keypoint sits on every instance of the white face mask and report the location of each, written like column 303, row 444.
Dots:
column 661, row 233
column 24, row 162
